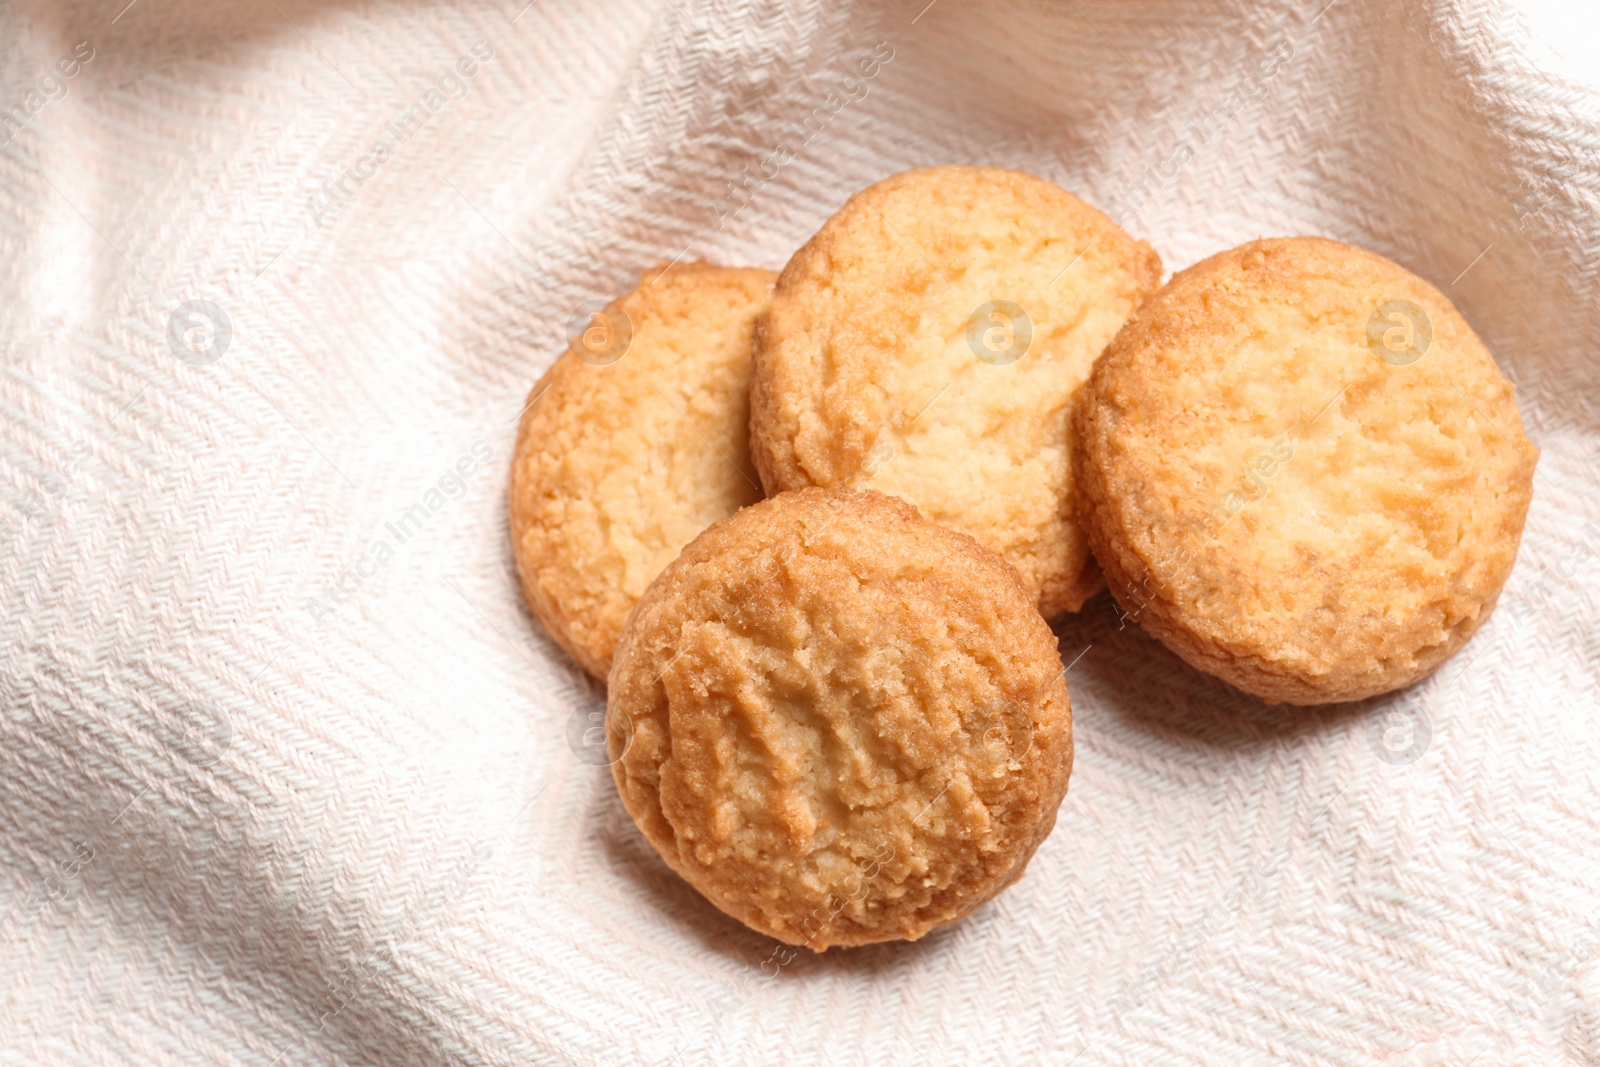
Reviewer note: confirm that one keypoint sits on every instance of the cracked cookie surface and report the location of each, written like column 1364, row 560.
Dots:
column 838, row 721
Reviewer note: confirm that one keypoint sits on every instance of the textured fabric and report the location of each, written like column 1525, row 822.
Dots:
column 287, row 773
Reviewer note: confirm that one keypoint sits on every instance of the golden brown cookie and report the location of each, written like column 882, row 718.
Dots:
column 926, row 342
column 632, row 443
column 839, row 721
column 1303, row 471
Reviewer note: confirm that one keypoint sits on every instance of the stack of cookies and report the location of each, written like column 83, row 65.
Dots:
column 810, row 527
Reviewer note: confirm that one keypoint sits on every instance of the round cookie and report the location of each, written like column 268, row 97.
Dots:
column 1303, row 472
column 838, row 721
column 632, row 443
column 926, row 343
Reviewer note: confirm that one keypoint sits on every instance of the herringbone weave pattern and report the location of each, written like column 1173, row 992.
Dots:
column 288, row 775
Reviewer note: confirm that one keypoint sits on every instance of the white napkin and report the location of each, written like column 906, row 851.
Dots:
column 274, row 274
